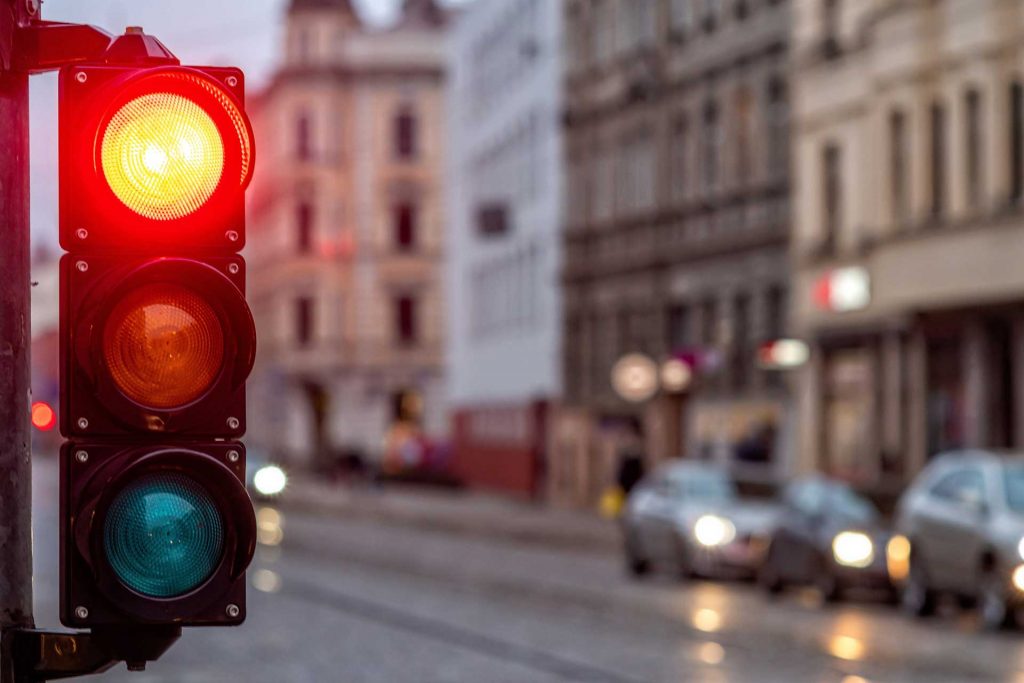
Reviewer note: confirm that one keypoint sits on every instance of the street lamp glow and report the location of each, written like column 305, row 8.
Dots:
column 635, row 377
column 675, row 375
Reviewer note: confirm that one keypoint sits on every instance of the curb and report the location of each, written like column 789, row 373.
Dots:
column 391, row 507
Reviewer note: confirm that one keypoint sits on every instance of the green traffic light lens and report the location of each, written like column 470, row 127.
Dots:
column 164, row 535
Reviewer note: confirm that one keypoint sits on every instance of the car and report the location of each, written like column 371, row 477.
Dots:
column 829, row 537
column 688, row 516
column 964, row 519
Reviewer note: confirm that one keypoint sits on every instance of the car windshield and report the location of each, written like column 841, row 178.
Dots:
column 703, row 485
column 1015, row 486
column 852, row 507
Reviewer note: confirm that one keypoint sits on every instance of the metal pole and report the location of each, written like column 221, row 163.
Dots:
column 15, row 462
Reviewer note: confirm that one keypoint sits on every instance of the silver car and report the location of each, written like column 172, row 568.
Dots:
column 689, row 517
column 964, row 519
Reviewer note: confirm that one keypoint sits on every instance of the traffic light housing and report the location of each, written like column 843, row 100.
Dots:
column 157, row 341
column 124, row 316
column 154, row 534
column 153, row 159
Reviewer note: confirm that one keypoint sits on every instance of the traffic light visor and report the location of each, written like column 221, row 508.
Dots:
column 163, row 345
column 163, row 535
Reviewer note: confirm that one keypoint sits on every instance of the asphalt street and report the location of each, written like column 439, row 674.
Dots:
column 352, row 600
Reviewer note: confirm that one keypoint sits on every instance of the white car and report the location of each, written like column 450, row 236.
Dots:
column 689, row 517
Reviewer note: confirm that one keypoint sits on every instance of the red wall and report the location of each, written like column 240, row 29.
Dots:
column 500, row 447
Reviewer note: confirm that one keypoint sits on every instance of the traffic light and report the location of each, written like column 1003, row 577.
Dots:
column 156, row 341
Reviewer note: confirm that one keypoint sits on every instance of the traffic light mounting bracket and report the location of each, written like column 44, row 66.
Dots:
column 39, row 655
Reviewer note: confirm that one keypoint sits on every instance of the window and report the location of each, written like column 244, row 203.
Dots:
column 938, row 159
column 830, row 12
column 677, row 159
column 404, row 218
column 304, row 224
column 303, row 42
column 681, row 19
column 741, row 340
column 898, row 166
column 640, row 21
column 678, row 327
column 712, row 11
column 405, row 134
column 492, row 220
column 973, row 142
column 806, row 498
column 744, row 122
column 776, row 324
column 603, row 26
column 961, row 486
column 709, row 323
column 711, row 146
column 406, row 320
column 832, row 195
column 303, row 137
column 304, row 321
column 1016, row 141
column 778, row 128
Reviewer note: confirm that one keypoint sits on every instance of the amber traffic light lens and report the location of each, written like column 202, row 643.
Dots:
column 163, row 346
column 162, row 156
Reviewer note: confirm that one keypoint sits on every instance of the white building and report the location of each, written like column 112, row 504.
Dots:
column 504, row 197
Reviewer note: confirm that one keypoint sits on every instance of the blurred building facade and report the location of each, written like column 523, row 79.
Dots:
column 676, row 233
column 346, row 228
column 505, row 192
column 910, row 177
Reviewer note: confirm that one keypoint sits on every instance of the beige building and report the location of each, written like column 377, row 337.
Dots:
column 346, row 232
column 909, row 231
column 676, row 233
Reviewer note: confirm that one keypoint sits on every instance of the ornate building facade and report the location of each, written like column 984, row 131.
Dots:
column 346, row 233
column 676, row 231
column 910, row 176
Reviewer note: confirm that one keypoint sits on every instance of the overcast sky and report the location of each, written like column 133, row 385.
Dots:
column 242, row 33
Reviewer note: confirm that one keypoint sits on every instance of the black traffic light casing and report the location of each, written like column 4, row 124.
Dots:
column 91, row 217
column 91, row 473
column 91, row 403
column 157, row 341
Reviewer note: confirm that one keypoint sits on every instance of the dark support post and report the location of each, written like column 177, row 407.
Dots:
column 15, row 462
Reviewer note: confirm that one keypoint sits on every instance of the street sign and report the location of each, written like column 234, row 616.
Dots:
column 157, row 340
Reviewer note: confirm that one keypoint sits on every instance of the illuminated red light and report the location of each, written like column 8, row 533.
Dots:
column 43, row 416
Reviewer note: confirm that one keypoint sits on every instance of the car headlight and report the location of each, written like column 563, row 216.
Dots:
column 853, row 549
column 1020, row 548
column 269, row 480
column 712, row 530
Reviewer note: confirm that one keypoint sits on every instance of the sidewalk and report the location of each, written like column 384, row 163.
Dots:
column 456, row 512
